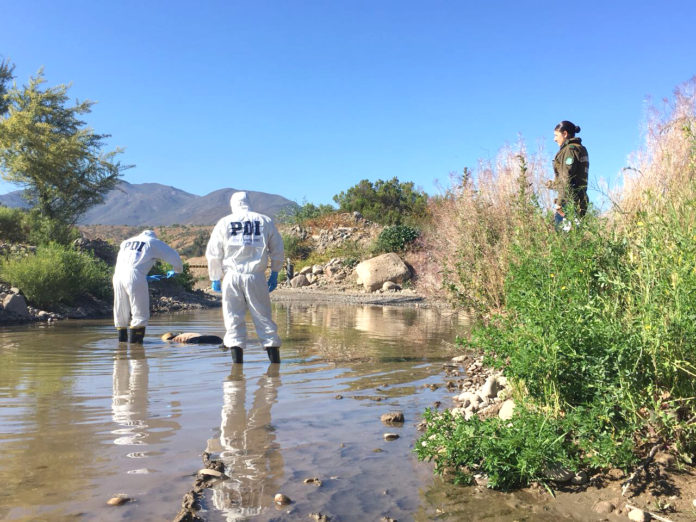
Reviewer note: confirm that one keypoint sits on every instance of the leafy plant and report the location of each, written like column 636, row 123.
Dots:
column 58, row 274
column 396, row 238
column 386, row 202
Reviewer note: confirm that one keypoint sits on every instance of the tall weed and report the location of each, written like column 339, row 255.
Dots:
column 474, row 224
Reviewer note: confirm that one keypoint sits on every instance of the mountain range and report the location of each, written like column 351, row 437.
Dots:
column 152, row 204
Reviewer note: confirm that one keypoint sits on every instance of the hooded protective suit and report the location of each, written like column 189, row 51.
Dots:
column 239, row 249
column 135, row 259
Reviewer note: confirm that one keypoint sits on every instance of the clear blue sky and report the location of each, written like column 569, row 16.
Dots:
column 306, row 98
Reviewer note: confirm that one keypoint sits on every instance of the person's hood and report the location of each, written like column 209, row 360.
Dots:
column 239, row 201
column 149, row 233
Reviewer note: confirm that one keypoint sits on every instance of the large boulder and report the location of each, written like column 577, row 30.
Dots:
column 373, row 273
column 16, row 304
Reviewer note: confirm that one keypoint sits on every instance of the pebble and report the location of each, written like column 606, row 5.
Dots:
column 391, row 436
column 281, row 499
column 118, row 500
column 313, row 480
column 638, row 515
column 210, row 472
column 320, row 517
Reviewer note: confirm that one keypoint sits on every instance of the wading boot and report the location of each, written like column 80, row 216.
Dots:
column 237, row 354
column 136, row 335
column 273, row 354
column 122, row 334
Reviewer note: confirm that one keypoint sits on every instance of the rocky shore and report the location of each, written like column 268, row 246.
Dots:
column 165, row 297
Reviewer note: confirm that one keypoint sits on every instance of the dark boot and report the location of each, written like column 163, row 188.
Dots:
column 136, row 335
column 237, row 354
column 122, row 334
column 273, row 354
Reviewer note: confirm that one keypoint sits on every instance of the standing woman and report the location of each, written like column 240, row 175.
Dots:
column 570, row 167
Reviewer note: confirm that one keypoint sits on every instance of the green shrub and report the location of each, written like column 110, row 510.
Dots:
column 185, row 279
column 298, row 215
column 387, row 202
column 58, row 274
column 396, row 238
column 296, row 248
column 12, row 227
column 43, row 230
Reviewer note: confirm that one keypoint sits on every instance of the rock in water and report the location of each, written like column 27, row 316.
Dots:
column 393, row 417
column 281, row 499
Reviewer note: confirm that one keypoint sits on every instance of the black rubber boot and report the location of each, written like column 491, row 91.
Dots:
column 136, row 335
column 273, row 354
column 122, row 335
column 237, row 354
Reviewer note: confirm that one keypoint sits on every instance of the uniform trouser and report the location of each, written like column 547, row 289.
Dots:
column 239, row 293
column 131, row 300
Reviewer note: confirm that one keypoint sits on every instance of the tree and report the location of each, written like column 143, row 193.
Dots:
column 45, row 147
column 385, row 202
column 6, row 75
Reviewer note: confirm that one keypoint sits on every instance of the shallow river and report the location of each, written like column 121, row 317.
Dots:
column 84, row 418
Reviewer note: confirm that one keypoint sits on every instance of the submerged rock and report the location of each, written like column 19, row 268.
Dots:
column 393, row 417
column 391, row 436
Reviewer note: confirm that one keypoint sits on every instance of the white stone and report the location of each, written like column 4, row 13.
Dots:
column 317, row 269
column 506, row 410
column 388, row 267
column 638, row 515
column 459, row 359
column 306, row 270
column 490, row 387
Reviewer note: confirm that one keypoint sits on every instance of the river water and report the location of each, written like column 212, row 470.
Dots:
column 84, row 418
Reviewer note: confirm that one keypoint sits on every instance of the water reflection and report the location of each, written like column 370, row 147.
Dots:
column 247, row 445
column 129, row 404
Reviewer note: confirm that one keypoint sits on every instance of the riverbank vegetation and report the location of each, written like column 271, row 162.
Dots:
column 593, row 327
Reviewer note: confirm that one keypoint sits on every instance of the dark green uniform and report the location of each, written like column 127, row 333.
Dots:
column 571, row 166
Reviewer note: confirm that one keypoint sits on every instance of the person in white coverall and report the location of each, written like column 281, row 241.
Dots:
column 238, row 253
column 131, row 297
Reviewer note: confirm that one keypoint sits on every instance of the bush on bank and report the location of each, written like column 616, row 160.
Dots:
column 596, row 334
column 58, row 274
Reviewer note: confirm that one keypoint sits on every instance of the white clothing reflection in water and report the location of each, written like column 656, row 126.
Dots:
column 129, row 404
column 129, row 401
column 247, row 446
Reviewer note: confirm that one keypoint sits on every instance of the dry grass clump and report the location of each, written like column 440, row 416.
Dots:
column 477, row 221
column 331, row 221
column 663, row 170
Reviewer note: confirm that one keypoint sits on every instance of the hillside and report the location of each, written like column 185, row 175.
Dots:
column 152, row 204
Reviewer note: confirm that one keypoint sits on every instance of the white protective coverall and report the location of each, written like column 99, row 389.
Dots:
column 239, row 248
column 135, row 259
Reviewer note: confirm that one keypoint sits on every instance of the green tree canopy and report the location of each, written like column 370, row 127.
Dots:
column 6, row 70
column 47, row 149
column 386, row 202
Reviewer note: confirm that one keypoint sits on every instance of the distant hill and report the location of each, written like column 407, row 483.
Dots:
column 155, row 205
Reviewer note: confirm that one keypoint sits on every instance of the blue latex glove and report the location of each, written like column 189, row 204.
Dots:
column 215, row 285
column 155, row 277
column 273, row 281
column 171, row 274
